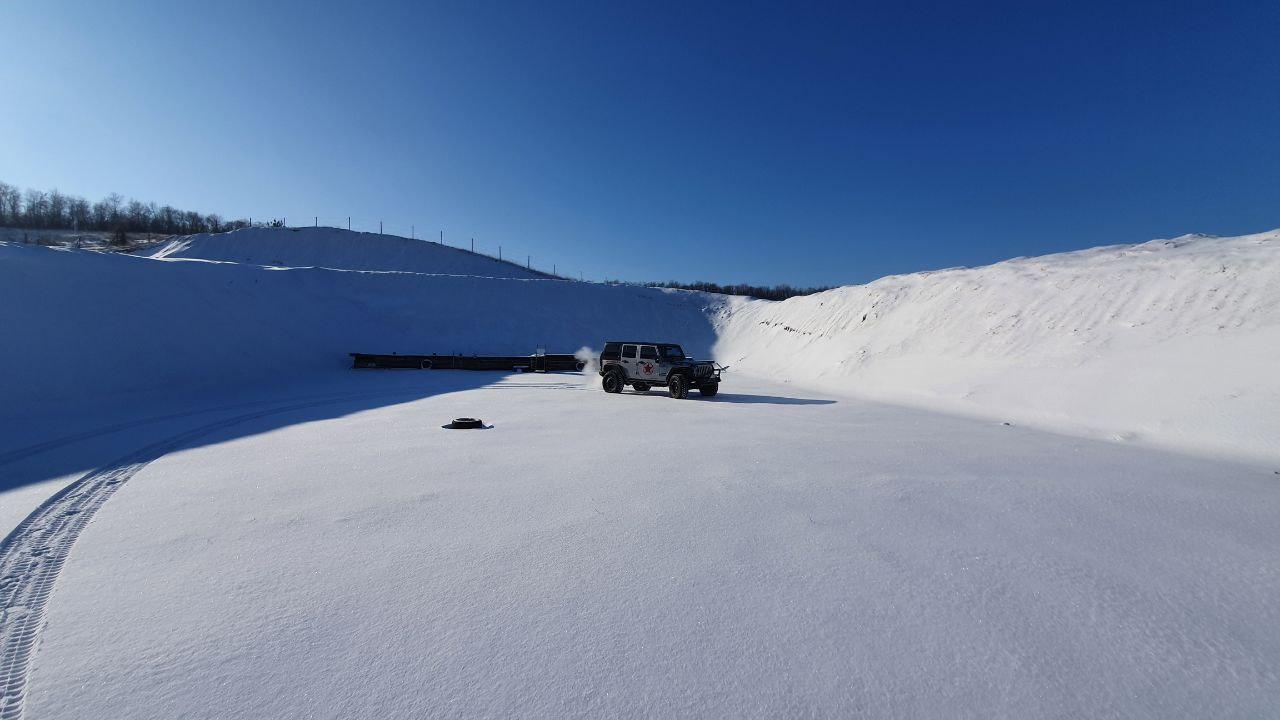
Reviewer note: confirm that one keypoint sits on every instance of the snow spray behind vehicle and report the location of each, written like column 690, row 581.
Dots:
column 590, row 366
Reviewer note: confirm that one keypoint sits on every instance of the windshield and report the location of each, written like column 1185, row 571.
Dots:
column 672, row 352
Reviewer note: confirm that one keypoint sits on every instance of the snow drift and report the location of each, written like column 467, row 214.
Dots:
column 1170, row 342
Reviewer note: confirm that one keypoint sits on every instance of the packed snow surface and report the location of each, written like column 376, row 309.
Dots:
column 212, row 516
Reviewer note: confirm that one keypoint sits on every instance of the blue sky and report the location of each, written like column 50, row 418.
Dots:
column 807, row 144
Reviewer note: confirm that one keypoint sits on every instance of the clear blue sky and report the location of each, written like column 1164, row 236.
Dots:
column 739, row 142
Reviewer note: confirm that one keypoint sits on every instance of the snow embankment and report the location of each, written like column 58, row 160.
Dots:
column 1169, row 342
column 334, row 248
column 83, row 329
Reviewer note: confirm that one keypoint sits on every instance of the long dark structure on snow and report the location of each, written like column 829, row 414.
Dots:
column 525, row 363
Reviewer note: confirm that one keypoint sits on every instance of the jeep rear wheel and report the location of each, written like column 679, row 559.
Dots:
column 640, row 387
column 709, row 390
column 612, row 382
column 678, row 386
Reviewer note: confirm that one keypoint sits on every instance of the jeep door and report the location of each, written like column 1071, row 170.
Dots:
column 629, row 360
column 647, row 368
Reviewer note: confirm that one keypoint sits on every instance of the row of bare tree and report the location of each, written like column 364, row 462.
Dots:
column 55, row 210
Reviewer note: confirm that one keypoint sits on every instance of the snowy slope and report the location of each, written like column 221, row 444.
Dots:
column 98, row 327
column 333, row 248
column 1167, row 342
column 1173, row 342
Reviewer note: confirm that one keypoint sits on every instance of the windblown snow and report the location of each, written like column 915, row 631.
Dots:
column 945, row 494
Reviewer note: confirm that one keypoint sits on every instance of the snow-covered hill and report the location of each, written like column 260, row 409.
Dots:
column 334, row 248
column 94, row 327
column 1174, row 342
column 1171, row 342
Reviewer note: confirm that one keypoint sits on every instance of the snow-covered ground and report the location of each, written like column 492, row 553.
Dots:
column 240, row 526
column 770, row 553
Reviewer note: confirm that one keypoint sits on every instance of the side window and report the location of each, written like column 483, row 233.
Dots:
column 648, row 352
column 610, row 352
column 629, row 351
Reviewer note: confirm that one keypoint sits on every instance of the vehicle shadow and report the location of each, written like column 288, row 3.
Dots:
column 737, row 398
column 765, row 400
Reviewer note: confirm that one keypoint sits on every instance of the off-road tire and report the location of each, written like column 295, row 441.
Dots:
column 640, row 387
column 709, row 390
column 678, row 387
column 613, row 382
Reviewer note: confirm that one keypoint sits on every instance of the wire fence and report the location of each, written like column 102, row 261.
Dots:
column 411, row 231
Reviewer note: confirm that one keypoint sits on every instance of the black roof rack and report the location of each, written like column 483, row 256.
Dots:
column 638, row 342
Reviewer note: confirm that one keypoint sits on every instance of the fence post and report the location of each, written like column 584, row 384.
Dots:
column 441, row 237
column 348, row 222
column 412, row 230
column 379, row 227
column 528, row 262
column 499, row 252
column 473, row 246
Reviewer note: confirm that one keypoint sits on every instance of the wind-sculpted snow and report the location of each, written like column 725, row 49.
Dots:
column 1173, row 342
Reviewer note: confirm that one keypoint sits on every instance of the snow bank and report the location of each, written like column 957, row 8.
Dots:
column 1172, row 342
column 333, row 248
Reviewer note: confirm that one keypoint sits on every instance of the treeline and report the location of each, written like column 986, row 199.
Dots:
column 765, row 292
column 53, row 210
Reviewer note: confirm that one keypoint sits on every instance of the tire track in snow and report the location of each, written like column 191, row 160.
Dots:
column 32, row 555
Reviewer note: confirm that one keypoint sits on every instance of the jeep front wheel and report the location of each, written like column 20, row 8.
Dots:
column 612, row 382
column 678, row 387
column 709, row 390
